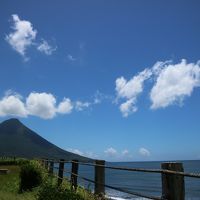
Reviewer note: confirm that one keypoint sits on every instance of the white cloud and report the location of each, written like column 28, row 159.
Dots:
column 88, row 154
column 45, row 48
column 12, row 106
column 130, row 90
column 99, row 97
column 76, row 151
column 114, row 155
column 70, row 57
column 41, row 104
column 128, row 107
column 110, row 152
column 22, row 36
column 144, row 152
column 91, row 154
column 65, row 107
column 174, row 83
column 81, row 105
column 125, row 152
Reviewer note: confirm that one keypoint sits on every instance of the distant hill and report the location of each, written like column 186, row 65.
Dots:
column 18, row 140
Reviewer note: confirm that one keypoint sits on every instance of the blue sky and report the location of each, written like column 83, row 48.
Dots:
column 114, row 80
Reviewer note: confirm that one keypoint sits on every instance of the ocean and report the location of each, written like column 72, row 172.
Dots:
column 145, row 183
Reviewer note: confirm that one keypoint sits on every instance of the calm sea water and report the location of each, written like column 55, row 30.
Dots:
column 146, row 183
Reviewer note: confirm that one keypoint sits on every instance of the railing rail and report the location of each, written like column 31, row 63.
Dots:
column 173, row 186
column 160, row 171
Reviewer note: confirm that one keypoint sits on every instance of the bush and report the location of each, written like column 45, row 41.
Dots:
column 22, row 161
column 50, row 191
column 31, row 175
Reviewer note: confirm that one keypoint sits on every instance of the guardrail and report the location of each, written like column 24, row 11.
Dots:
column 173, row 185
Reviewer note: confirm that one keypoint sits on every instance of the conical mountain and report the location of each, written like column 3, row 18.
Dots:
column 18, row 140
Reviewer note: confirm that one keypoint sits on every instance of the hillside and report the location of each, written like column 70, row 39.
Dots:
column 18, row 140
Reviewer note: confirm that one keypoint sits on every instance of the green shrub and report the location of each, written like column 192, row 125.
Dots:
column 50, row 191
column 22, row 161
column 31, row 175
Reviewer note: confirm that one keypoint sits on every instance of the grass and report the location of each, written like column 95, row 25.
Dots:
column 13, row 196
column 9, row 185
column 48, row 190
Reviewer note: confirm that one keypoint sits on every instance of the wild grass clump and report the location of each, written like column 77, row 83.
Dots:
column 13, row 196
column 13, row 161
column 32, row 174
column 50, row 191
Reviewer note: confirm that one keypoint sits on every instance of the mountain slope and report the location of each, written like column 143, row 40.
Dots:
column 18, row 140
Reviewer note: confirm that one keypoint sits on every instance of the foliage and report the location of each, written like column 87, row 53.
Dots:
column 50, row 191
column 31, row 175
column 13, row 161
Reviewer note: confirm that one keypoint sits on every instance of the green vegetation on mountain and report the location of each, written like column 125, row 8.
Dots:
column 19, row 141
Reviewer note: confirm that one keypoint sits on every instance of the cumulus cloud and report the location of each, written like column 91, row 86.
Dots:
column 174, row 83
column 110, row 152
column 128, row 107
column 12, row 105
column 125, row 152
column 115, row 155
column 76, row 151
column 22, row 36
column 81, row 153
column 81, row 105
column 144, row 152
column 99, row 97
column 130, row 90
column 43, row 105
column 46, row 48
column 91, row 154
column 65, row 107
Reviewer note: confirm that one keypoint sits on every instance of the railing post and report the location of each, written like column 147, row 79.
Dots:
column 60, row 171
column 99, row 177
column 51, row 168
column 74, row 171
column 173, row 186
